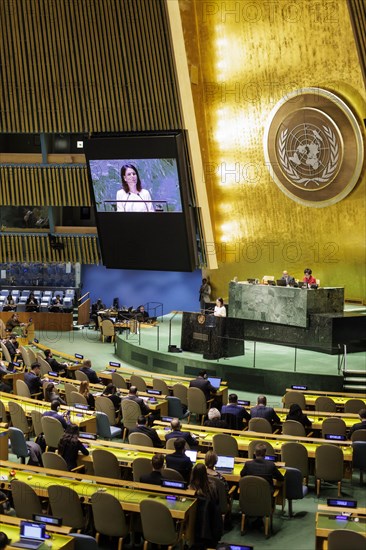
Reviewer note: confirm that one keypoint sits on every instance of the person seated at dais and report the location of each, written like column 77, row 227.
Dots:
column 203, row 384
column 308, row 277
column 133, row 396
column 179, row 460
column 70, row 445
column 54, row 364
column 32, row 303
column 64, row 418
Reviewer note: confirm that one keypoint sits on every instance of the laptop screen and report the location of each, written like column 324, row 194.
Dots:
column 214, row 381
column 192, row 455
column 281, row 282
column 225, row 462
column 32, row 530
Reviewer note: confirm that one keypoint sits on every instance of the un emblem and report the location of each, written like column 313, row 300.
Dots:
column 305, row 143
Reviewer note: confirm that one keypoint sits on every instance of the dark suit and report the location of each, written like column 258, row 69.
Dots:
column 91, row 374
column 357, row 426
column 11, row 349
column 302, row 418
column 141, row 429
column 55, row 365
column 236, row 410
column 185, row 435
column 58, row 417
column 204, row 385
column 260, row 411
column 33, row 382
column 181, row 463
column 143, row 407
column 154, row 478
column 262, row 468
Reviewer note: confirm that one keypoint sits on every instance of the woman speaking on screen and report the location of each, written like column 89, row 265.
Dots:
column 132, row 198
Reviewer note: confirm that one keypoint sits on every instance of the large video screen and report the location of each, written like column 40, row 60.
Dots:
column 136, row 185
column 143, row 200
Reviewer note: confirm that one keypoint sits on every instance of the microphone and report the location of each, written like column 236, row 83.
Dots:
column 138, row 194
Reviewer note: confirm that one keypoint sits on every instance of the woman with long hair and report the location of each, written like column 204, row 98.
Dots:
column 84, row 389
column 111, row 392
column 69, row 446
column 132, row 197
column 295, row 413
column 51, row 394
column 208, row 528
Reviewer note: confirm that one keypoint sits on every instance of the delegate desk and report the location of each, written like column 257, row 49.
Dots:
column 243, row 438
column 4, row 435
column 340, row 398
column 127, row 453
column 326, row 520
column 86, row 420
column 41, row 320
column 155, row 402
column 317, row 418
column 58, row 535
column 106, row 376
column 129, row 494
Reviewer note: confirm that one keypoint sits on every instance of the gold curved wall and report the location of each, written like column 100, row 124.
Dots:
column 249, row 55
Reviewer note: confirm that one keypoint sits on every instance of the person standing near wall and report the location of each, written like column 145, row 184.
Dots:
column 204, row 295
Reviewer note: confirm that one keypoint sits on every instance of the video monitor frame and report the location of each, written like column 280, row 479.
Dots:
column 144, row 200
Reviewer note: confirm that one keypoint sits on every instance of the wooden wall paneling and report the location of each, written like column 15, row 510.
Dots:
column 107, row 67
column 47, row 188
column 115, row 77
column 12, row 80
column 82, row 61
column 40, row 124
column 66, row 64
column 357, row 13
column 102, row 63
column 51, row 51
column 129, row 71
column 31, row 56
column 47, row 69
column 21, row 100
column 120, row 75
column 92, row 60
column 73, row 82
column 96, row 251
column 5, row 108
column 140, row 99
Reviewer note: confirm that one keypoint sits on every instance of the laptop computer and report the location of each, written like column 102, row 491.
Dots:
column 214, row 381
column 32, row 535
column 192, row 455
column 225, row 464
column 281, row 282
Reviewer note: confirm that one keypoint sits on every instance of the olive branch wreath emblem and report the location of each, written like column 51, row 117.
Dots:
column 328, row 170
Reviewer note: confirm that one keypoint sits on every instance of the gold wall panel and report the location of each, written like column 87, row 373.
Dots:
column 249, row 56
